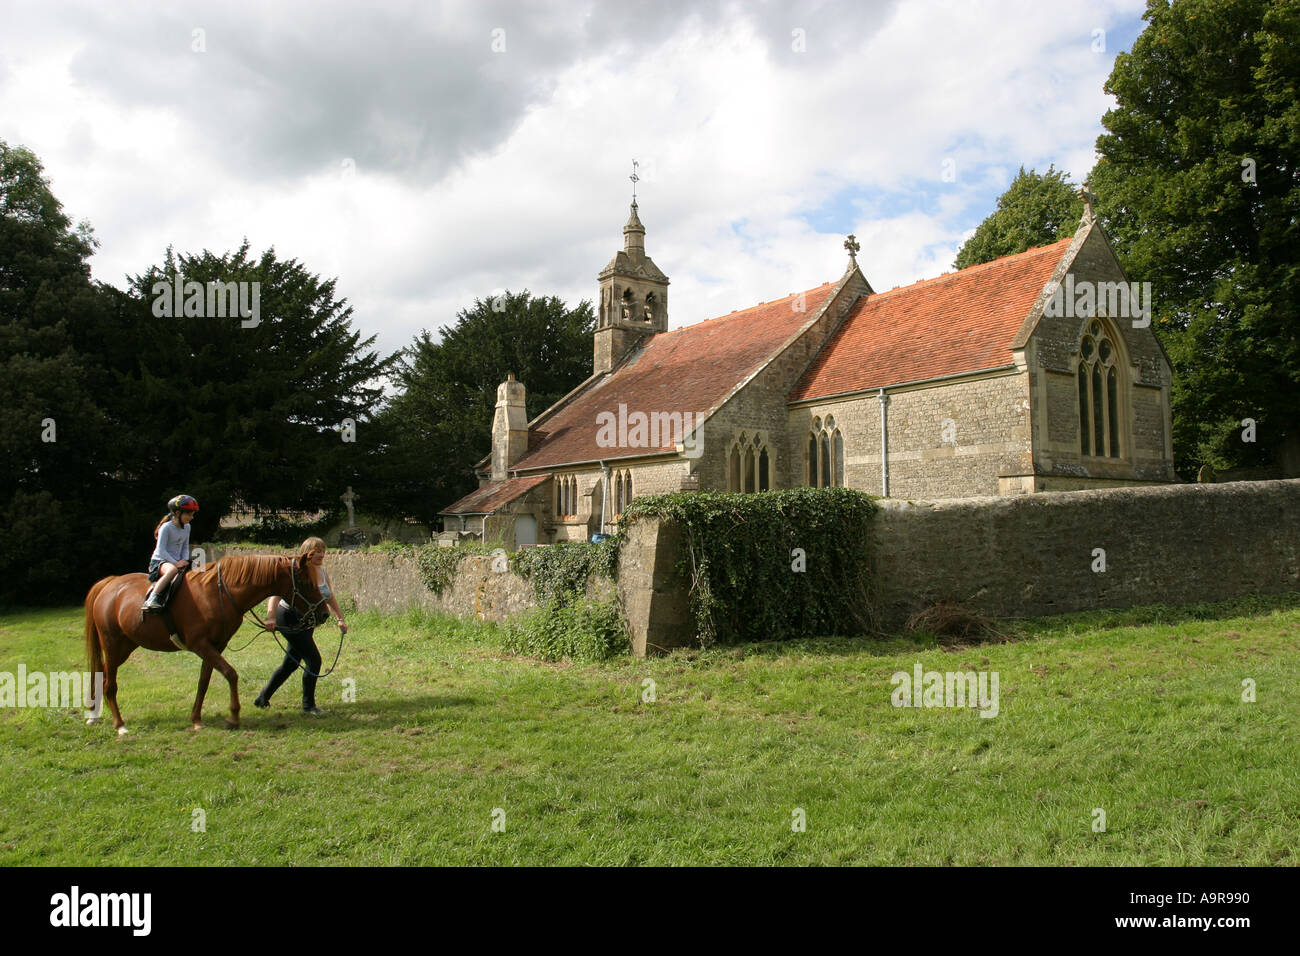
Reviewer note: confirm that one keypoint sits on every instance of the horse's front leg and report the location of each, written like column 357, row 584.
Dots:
column 212, row 658
column 196, row 715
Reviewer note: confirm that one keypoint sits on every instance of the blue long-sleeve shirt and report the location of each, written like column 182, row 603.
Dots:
column 173, row 543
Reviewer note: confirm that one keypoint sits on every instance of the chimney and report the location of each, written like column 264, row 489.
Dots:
column 509, row 427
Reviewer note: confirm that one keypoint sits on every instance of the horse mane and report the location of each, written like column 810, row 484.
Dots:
column 239, row 569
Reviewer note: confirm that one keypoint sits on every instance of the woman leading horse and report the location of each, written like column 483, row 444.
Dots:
column 207, row 611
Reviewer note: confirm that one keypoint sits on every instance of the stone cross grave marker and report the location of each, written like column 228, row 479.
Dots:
column 347, row 499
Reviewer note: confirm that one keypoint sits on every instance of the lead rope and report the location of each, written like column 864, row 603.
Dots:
column 311, row 613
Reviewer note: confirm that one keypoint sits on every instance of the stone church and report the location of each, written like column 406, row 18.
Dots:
column 1034, row 372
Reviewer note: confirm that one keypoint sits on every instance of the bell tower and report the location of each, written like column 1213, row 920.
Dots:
column 633, row 296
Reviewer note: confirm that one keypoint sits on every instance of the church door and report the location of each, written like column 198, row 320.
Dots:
column 525, row 531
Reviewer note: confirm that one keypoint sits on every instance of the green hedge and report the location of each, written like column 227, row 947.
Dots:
column 740, row 564
column 579, row 630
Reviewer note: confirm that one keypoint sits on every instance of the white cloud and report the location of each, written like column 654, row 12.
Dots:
column 742, row 139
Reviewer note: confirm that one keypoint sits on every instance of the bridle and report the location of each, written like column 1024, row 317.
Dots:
column 299, row 594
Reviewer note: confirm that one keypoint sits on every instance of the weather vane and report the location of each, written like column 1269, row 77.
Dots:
column 635, row 179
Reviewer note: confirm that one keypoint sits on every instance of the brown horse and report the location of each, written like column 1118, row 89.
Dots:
column 208, row 609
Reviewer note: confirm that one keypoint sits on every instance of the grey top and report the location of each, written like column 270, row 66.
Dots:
column 173, row 543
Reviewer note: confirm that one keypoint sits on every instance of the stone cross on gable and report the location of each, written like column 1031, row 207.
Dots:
column 347, row 499
column 1088, row 199
column 851, row 244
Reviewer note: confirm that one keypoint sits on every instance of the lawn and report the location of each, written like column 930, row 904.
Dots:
column 1139, row 714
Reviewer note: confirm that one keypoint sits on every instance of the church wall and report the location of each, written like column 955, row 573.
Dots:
column 760, row 406
column 650, row 478
column 1052, row 355
column 947, row 440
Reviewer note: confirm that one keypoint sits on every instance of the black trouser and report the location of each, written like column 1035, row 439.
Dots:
column 301, row 648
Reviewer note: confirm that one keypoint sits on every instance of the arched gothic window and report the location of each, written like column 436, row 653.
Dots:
column 566, row 497
column 1099, row 393
column 621, row 482
column 825, row 465
column 749, row 465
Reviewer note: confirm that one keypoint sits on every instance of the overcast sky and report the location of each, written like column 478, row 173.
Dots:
column 426, row 154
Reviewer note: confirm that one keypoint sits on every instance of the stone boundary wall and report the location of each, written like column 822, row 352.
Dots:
column 1032, row 555
column 1021, row 556
column 390, row 583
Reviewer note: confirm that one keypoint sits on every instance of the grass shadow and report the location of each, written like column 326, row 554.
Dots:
column 388, row 713
column 1008, row 630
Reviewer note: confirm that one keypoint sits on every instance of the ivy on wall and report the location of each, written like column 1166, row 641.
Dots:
column 559, row 572
column 773, row 565
column 437, row 565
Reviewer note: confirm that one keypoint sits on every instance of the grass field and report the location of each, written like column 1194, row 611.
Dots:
column 1137, row 713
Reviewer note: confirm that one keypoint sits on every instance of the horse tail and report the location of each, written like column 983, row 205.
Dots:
column 94, row 652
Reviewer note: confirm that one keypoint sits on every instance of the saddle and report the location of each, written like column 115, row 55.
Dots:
column 165, row 613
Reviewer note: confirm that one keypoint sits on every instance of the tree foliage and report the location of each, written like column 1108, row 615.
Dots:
column 113, row 408
column 1199, row 189
column 255, row 413
column 1037, row 209
column 58, row 436
column 440, row 423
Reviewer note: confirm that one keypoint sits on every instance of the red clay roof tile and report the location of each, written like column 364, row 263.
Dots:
column 961, row 322
column 486, row 500
column 686, row 370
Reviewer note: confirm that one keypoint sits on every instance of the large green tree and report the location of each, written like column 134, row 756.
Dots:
column 1036, row 210
column 113, row 406
column 60, row 442
column 440, row 423
column 252, row 409
column 1199, row 187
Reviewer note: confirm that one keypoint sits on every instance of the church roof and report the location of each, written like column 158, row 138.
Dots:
column 961, row 322
column 486, row 500
column 691, row 369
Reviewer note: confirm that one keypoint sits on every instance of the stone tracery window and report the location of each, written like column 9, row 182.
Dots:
column 1099, row 393
column 749, row 465
column 566, row 497
column 621, row 482
column 825, row 464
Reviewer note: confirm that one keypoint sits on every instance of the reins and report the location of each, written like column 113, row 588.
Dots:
column 224, row 593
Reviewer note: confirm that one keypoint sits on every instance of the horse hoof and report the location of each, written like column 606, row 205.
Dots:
column 91, row 721
column 198, row 725
column 122, row 731
column 232, row 724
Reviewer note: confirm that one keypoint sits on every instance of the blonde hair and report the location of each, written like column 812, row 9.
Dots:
column 310, row 545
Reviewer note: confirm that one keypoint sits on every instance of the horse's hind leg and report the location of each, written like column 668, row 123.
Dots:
column 196, row 715
column 212, row 659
